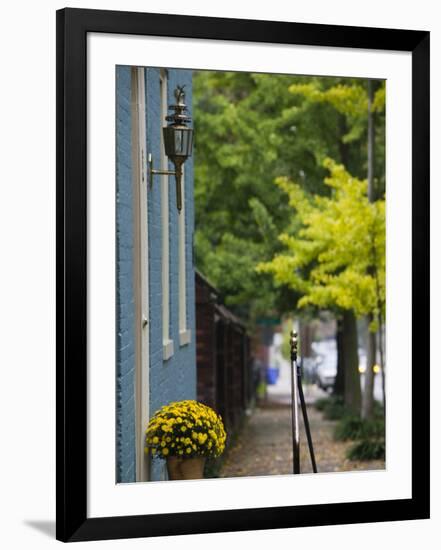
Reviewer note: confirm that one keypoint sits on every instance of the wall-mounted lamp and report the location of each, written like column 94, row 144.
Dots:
column 178, row 142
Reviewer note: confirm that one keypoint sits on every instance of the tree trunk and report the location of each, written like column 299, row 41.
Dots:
column 305, row 333
column 368, row 391
column 350, row 353
column 383, row 366
column 339, row 383
column 371, row 144
column 367, row 410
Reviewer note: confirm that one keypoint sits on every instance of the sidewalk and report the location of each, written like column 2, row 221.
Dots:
column 265, row 445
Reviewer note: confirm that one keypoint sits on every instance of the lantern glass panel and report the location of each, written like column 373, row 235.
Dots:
column 178, row 142
column 189, row 142
column 169, row 141
column 182, row 144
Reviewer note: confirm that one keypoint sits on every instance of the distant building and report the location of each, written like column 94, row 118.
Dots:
column 155, row 301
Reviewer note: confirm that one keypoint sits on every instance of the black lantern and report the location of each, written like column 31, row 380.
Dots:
column 178, row 142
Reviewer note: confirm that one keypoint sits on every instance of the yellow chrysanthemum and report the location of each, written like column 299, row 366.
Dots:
column 205, row 430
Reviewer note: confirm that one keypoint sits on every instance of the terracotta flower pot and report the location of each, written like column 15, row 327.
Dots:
column 185, row 468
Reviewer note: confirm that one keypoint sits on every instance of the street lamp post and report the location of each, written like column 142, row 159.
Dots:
column 296, row 396
column 295, row 406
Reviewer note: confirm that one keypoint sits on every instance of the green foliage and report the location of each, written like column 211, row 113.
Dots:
column 213, row 467
column 368, row 435
column 349, row 98
column 237, row 211
column 367, row 449
column 353, row 427
column 335, row 411
column 333, row 408
column 321, row 403
column 378, row 409
column 249, row 130
column 261, row 390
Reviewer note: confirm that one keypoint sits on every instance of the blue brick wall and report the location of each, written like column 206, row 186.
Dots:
column 175, row 378
column 125, row 311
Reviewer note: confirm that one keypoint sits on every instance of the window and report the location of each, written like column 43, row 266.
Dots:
column 167, row 342
column 184, row 334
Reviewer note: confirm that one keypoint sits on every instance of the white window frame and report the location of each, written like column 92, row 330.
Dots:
column 184, row 333
column 167, row 342
column 140, row 270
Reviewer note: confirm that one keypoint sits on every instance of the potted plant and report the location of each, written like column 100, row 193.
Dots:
column 185, row 433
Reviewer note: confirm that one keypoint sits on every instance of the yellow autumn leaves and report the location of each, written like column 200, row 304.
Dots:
column 337, row 256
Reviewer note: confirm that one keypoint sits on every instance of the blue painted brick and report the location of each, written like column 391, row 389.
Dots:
column 125, row 343
column 174, row 379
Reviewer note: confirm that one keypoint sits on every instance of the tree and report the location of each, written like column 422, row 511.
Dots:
column 329, row 253
column 251, row 128
column 357, row 106
column 239, row 213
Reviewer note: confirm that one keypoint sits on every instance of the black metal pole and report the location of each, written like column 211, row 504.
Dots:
column 297, row 391
column 306, row 421
column 295, row 406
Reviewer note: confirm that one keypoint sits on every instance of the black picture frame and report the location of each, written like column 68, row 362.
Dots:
column 71, row 427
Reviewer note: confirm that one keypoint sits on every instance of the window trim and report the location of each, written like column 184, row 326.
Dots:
column 167, row 342
column 184, row 333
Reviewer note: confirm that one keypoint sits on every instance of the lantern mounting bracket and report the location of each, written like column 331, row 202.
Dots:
column 153, row 172
column 177, row 173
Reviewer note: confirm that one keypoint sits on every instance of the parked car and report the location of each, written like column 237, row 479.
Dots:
column 327, row 367
column 326, row 373
column 326, row 363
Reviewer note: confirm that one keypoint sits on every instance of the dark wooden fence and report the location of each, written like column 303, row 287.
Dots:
column 224, row 362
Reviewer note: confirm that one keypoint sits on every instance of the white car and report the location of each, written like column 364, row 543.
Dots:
column 326, row 373
column 326, row 370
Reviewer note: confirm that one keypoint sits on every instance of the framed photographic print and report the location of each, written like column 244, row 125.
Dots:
column 242, row 274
